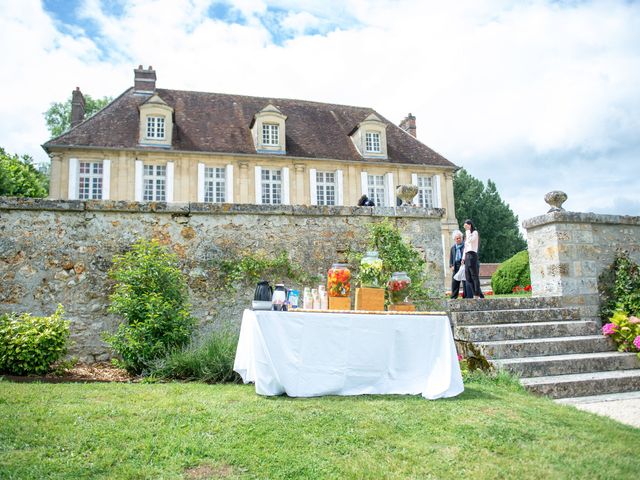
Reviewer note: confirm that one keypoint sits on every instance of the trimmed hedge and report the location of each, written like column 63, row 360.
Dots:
column 512, row 273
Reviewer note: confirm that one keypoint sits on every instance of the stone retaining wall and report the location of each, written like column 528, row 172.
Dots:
column 60, row 251
column 569, row 250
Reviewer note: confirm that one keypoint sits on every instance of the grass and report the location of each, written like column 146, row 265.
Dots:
column 193, row 430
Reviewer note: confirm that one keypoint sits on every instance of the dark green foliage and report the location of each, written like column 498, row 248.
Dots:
column 210, row 360
column 496, row 223
column 398, row 256
column 619, row 287
column 32, row 344
column 19, row 178
column 512, row 273
column 58, row 115
column 151, row 296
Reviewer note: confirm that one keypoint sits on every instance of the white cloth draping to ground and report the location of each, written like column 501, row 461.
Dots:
column 306, row 354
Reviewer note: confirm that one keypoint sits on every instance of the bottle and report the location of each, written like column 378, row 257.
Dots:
column 315, row 299
column 292, row 299
column 324, row 299
column 307, row 299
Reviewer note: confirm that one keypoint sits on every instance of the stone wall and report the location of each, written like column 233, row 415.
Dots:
column 60, row 251
column 569, row 250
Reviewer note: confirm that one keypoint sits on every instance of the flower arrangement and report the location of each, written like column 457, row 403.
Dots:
column 624, row 330
column 339, row 281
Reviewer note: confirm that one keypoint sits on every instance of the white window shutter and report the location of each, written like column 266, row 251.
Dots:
column 285, row 186
column 73, row 179
column 414, row 181
column 139, row 181
column 229, row 184
column 258, row 185
column 339, row 191
column 313, row 190
column 169, row 182
column 436, row 192
column 363, row 183
column 106, row 179
column 391, row 190
column 201, row 182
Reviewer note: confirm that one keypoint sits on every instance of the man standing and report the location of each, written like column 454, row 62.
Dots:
column 455, row 260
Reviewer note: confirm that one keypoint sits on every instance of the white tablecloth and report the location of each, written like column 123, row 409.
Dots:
column 307, row 354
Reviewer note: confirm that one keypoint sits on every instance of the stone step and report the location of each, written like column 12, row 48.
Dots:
column 609, row 397
column 526, row 315
column 539, row 347
column 584, row 384
column 568, row 364
column 473, row 305
column 521, row 331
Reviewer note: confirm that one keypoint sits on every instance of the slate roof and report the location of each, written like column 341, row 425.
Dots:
column 214, row 122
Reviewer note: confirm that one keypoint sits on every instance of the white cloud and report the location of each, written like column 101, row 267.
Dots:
column 534, row 95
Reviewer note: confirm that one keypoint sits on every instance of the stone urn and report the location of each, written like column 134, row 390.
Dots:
column 555, row 199
column 406, row 193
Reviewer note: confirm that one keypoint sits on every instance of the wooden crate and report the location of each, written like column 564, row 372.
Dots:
column 402, row 307
column 339, row 303
column 370, row 299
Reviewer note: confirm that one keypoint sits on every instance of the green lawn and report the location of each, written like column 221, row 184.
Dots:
column 191, row 430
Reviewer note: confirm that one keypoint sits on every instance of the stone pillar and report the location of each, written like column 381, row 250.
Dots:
column 244, row 182
column 55, row 180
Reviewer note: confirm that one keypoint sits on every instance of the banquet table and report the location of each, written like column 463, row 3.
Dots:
column 309, row 354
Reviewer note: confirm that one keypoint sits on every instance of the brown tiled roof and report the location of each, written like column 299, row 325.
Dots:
column 214, row 122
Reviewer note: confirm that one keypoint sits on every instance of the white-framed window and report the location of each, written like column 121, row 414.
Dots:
column 326, row 188
column 155, row 127
column 425, row 192
column 376, row 189
column 215, row 184
column 372, row 142
column 90, row 180
column 155, row 183
column 271, row 183
column 270, row 134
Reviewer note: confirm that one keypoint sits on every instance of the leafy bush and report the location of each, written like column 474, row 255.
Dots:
column 625, row 331
column 619, row 287
column 151, row 295
column 32, row 344
column 398, row 256
column 208, row 361
column 512, row 273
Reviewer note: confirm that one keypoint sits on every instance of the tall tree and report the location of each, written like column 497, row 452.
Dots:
column 500, row 237
column 58, row 116
column 19, row 177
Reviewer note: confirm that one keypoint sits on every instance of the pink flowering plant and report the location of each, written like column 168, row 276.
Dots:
column 624, row 329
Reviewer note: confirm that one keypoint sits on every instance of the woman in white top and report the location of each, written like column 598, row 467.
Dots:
column 470, row 259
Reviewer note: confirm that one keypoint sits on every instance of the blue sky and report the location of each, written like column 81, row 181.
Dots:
column 536, row 95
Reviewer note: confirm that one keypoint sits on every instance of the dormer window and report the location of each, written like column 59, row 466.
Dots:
column 270, row 134
column 370, row 138
column 155, row 127
column 372, row 142
column 268, row 130
column 156, row 123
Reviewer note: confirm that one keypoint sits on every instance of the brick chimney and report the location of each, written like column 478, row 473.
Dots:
column 409, row 125
column 77, row 107
column 144, row 80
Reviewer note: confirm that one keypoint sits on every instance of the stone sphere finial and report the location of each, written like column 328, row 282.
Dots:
column 555, row 198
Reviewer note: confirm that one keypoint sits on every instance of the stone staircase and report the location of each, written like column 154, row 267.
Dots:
column 548, row 345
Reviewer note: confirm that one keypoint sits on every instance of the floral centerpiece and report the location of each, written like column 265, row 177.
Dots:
column 339, row 280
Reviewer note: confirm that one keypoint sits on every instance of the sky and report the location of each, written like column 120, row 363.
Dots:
column 534, row 95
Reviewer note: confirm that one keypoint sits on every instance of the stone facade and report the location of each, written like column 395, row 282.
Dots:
column 569, row 250
column 59, row 251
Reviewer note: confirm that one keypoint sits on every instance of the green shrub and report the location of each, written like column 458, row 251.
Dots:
column 31, row 344
column 512, row 273
column 151, row 295
column 619, row 287
column 208, row 361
